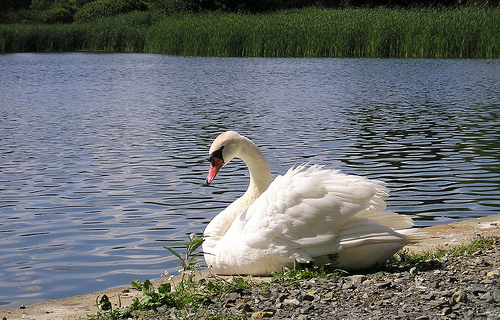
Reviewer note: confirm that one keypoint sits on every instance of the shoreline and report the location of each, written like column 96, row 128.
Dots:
column 447, row 235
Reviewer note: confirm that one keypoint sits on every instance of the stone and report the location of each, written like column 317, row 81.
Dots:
column 477, row 290
column 493, row 273
column 231, row 297
column 293, row 302
column 308, row 297
column 348, row 285
column 488, row 297
column 429, row 296
column 413, row 271
column 384, row 285
column 446, row 311
column 460, row 297
column 357, row 279
column 242, row 304
column 262, row 314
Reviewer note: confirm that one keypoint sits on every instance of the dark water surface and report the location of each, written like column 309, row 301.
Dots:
column 103, row 157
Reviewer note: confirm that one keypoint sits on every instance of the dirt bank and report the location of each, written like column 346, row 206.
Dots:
column 81, row 306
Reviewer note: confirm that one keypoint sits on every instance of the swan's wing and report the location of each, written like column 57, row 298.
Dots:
column 386, row 218
column 309, row 212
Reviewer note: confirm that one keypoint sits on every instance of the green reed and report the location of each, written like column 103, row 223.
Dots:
column 313, row 32
column 441, row 33
column 124, row 33
column 40, row 38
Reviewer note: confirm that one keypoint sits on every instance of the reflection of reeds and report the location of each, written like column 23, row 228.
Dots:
column 469, row 32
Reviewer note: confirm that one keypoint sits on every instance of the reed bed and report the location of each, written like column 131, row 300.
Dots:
column 312, row 32
column 124, row 33
column 418, row 33
column 40, row 38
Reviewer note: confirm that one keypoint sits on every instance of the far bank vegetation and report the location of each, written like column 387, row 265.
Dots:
column 257, row 28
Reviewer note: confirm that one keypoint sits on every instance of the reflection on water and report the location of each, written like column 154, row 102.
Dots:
column 103, row 157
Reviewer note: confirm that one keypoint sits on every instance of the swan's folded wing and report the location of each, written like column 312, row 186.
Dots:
column 306, row 209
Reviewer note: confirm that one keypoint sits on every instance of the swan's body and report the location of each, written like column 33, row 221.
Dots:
column 310, row 214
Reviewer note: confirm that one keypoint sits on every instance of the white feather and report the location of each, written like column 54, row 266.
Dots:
column 306, row 215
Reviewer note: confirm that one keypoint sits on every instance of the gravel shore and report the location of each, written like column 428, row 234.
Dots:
column 465, row 287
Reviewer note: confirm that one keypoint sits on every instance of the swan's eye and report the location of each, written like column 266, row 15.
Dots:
column 216, row 154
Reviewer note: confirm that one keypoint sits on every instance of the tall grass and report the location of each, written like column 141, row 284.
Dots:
column 441, row 33
column 124, row 33
column 41, row 38
column 313, row 32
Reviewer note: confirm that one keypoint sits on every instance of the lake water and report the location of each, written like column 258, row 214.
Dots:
column 103, row 156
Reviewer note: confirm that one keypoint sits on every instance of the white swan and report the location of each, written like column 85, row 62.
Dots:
column 310, row 214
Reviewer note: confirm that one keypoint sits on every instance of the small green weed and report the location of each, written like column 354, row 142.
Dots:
column 185, row 294
column 152, row 299
column 190, row 256
column 405, row 257
column 106, row 310
column 299, row 273
column 220, row 287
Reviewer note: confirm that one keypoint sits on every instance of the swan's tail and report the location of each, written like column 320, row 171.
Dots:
column 414, row 236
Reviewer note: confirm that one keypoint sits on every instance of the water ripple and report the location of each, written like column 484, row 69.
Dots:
column 103, row 157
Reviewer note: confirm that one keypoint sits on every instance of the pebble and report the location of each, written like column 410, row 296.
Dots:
column 494, row 273
column 262, row 314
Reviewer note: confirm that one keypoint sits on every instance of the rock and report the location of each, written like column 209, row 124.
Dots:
column 348, row 285
column 308, row 297
column 242, row 304
column 488, row 297
column 445, row 293
column 460, row 297
column 493, row 273
column 477, row 290
column 429, row 296
column 231, row 297
column 384, row 285
column 357, row 279
column 262, row 314
column 446, row 311
column 293, row 302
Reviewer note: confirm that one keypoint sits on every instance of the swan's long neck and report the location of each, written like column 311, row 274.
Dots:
column 260, row 173
column 260, row 179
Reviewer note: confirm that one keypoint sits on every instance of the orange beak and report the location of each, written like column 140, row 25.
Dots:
column 215, row 165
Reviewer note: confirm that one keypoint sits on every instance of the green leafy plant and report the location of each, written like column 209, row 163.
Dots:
column 103, row 304
column 57, row 15
column 106, row 310
column 106, row 8
column 190, row 255
column 184, row 293
column 152, row 299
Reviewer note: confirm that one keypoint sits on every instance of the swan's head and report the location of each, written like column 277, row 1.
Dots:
column 224, row 148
